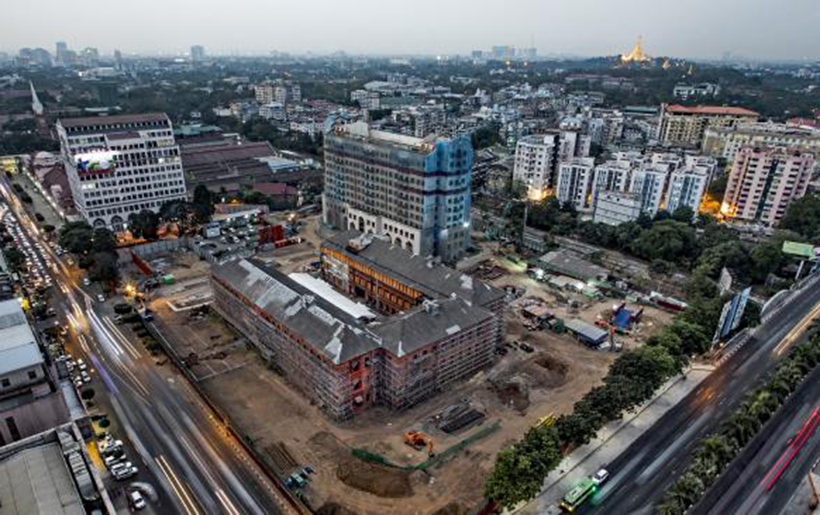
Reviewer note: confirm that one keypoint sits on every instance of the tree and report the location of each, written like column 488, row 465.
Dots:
column 203, row 204
column 683, row 214
column 14, row 258
column 574, row 429
column 48, row 228
column 144, row 224
column 803, row 217
column 103, row 240
column 87, row 394
column 39, row 217
column 104, row 268
column 77, row 237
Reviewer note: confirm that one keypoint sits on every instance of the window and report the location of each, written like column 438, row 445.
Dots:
column 5, row 383
column 32, row 374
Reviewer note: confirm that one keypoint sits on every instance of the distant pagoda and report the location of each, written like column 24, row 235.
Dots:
column 636, row 55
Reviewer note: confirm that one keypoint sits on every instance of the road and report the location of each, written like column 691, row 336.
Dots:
column 200, row 468
column 641, row 474
column 762, row 479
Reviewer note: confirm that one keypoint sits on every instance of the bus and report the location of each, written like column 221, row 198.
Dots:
column 578, row 495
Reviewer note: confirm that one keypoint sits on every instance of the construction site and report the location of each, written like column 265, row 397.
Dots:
column 423, row 449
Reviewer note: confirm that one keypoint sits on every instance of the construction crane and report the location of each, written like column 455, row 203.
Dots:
column 418, row 441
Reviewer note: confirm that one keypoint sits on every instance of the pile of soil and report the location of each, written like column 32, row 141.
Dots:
column 556, row 370
column 376, row 479
column 514, row 393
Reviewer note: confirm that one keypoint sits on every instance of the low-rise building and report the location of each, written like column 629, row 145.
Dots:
column 687, row 125
column 615, row 208
column 426, row 328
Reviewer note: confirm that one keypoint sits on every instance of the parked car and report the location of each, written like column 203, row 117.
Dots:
column 123, row 474
column 86, row 281
column 101, row 297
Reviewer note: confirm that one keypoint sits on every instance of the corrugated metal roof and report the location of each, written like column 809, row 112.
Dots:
column 36, row 481
column 585, row 330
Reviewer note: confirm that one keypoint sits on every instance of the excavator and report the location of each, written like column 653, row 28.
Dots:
column 418, row 441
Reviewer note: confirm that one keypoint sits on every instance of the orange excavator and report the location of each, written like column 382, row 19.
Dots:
column 418, row 441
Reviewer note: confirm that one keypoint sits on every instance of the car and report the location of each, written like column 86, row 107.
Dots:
column 114, row 459
column 101, row 297
column 123, row 474
column 78, row 383
column 116, row 467
column 112, row 449
column 600, row 477
column 86, row 281
column 82, row 366
column 86, row 378
column 136, row 499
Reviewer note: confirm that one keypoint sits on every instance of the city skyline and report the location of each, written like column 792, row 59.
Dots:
column 761, row 30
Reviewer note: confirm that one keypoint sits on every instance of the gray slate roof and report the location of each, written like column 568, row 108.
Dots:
column 333, row 332
column 435, row 281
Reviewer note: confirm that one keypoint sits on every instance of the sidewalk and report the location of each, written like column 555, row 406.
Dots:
column 612, row 440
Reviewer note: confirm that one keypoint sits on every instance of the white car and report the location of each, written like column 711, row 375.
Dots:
column 136, row 500
column 86, row 281
column 101, row 297
column 600, row 477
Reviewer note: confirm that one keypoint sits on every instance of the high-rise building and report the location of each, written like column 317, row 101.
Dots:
column 414, row 191
column 197, row 53
column 61, row 53
column 575, row 180
column 120, row 165
column 649, row 183
column 687, row 125
column 538, row 156
column 613, row 175
column 90, row 56
column 685, row 189
column 764, row 181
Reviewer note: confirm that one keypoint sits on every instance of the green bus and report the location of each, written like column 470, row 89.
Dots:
column 578, row 495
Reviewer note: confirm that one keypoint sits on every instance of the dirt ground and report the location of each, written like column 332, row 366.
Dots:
column 514, row 393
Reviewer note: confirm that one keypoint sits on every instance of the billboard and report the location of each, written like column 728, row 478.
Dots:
column 94, row 162
column 803, row 250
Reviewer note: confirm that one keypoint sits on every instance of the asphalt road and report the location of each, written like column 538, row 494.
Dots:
column 641, row 474
column 762, row 479
column 198, row 466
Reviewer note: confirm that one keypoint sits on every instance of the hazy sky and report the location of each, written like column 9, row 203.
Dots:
column 778, row 29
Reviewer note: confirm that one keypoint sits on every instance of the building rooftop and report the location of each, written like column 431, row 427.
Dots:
column 39, row 475
column 363, row 130
column 569, row 263
column 435, row 281
column 738, row 111
column 334, row 332
column 113, row 120
column 18, row 348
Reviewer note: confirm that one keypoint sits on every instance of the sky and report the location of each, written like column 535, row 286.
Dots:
column 764, row 29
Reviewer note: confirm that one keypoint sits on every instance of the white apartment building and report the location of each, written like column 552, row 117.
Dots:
column 119, row 165
column 613, row 175
column 685, row 189
column 280, row 91
column 764, row 181
column 535, row 164
column 575, row 180
column 688, row 91
column 538, row 156
column 366, row 99
column 615, row 208
column 649, row 184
